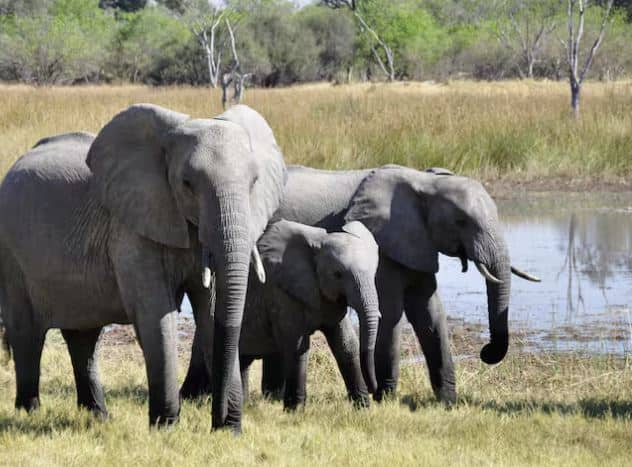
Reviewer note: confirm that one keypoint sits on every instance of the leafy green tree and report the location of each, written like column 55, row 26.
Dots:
column 145, row 40
column 335, row 39
column 123, row 5
column 65, row 44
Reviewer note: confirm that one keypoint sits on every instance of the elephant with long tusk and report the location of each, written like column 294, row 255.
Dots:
column 413, row 215
column 116, row 228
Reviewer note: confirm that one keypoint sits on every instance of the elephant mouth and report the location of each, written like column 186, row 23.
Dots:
column 208, row 266
column 462, row 255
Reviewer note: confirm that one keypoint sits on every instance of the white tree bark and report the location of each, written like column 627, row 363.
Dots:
column 575, row 76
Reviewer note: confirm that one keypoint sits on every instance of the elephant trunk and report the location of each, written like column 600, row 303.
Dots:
column 231, row 252
column 499, row 267
column 365, row 302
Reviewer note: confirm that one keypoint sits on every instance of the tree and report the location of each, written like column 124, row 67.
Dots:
column 575, row 35
column 123, row 5
column 385, row 61
column 64, row 43
column 204, row 22
column 529, row 24
column 146, row 40
column 211, row 23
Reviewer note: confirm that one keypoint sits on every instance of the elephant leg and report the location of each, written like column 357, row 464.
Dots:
column 244, row 364
column 24, row 335
column 197, row 382
column 295, row 368
column 344, row 345
column 425, row 312
column 387, row 352
column 82, row 346
column 272, row 378
column 158, row 341
column 27, row 353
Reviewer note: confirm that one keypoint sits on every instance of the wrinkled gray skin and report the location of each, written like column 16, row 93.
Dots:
column 120, row 235
column 413, row 216
column 312, row 276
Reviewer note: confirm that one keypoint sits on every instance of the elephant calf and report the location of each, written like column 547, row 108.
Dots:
column 312, row 277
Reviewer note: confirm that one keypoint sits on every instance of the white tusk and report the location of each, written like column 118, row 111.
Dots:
column 486, row 274
column 256, row 260
column 206, row 269
column 206, row 277
column 524, row 275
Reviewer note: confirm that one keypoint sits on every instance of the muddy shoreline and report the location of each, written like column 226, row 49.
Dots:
column 466, row 339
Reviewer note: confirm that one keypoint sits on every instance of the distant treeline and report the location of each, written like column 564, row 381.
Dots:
column 280, row 42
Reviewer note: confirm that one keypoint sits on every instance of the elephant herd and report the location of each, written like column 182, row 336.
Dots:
column 118, row 227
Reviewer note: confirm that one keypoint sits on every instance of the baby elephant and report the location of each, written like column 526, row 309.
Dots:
column 313, row 276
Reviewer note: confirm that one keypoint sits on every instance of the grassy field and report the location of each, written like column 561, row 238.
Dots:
column 533, row 409
column 514, row 131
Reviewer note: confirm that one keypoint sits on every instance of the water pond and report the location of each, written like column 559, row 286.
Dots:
column 580, row 245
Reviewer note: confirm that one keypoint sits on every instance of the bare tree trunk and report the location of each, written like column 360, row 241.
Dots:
column 576, row 77
column 227, row 79
column 576, row 89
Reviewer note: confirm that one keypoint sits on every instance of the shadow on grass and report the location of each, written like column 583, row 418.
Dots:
column 588, row 408
column 50, row 424
column 137, row 394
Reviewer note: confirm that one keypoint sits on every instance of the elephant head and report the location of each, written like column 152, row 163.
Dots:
column 313, row 266
column 157, row 171
column 416, row 215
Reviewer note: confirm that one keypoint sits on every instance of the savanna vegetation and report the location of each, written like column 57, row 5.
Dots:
column 281, row 42
column 508, row 132
column 533, row 409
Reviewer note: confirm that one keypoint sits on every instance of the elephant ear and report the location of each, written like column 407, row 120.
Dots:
column 287, row 250
column 390, row 202
column 128, row 161
column 357, row 229
column 266, row 193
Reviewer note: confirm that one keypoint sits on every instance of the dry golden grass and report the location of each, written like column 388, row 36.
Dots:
column 533, row 409
column 510, row 130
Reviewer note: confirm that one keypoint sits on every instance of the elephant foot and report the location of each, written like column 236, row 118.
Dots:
column 100, row 414
column 446, row 396
column 195, row 388
column 275, row 394
column 160, row 422
column 384, row 394
column 292, row 405
column 234, row 428
column 361, row 402
column 29, row 404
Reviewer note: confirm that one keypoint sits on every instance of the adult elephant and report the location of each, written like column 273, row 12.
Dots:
column 120, row 235
column 413, row 216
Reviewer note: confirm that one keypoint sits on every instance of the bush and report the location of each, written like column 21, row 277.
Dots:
column 65, row 43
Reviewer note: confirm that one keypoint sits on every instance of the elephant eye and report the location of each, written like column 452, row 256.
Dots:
column 252, row 182
column 187, row 185
column 461, row 222
column 337, row 274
